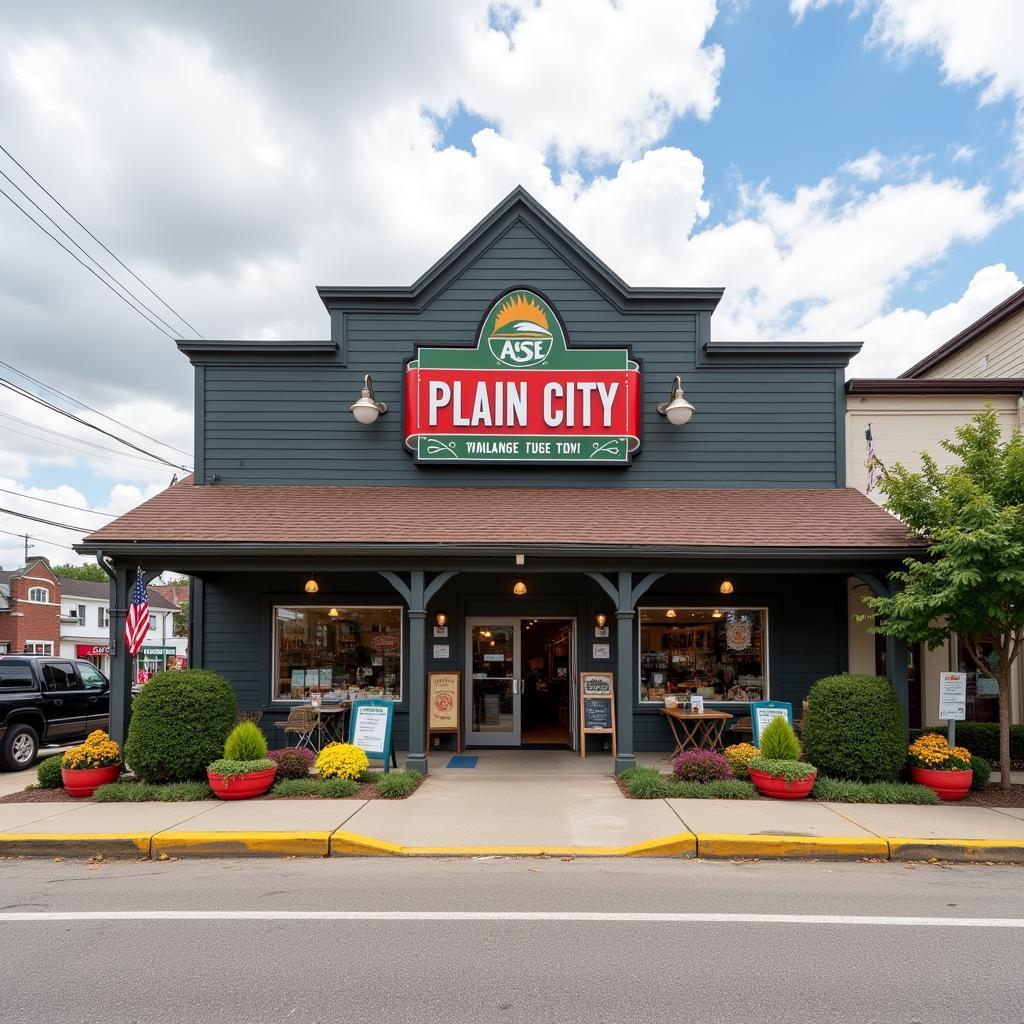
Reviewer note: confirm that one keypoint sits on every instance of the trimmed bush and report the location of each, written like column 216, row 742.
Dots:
column 397, row 785
column 701, row 766
column 853, row 729
column 179, row 723
column 779, row 742
column 292, row 762
column 650, row 784
column 843, row 791
column 48, row 772
column 140, row 792
column 982, row 772
column 245, row 742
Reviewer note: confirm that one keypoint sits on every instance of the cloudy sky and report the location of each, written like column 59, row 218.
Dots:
column 845, row 169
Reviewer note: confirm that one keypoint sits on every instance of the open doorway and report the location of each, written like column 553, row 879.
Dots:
column 548, row 673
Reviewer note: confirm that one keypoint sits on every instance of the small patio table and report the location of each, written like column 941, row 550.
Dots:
column 701, row 730
column 332, row 720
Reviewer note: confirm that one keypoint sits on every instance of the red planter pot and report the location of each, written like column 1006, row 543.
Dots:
column 781, row 789
column 241, row 787
column 945, row 785
column 85, row 781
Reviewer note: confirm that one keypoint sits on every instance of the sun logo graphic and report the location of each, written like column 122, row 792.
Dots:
column 519, row 331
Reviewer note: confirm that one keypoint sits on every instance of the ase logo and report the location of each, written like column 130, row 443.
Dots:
column 518, row 331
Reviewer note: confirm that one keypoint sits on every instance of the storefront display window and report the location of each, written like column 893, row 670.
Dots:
column 982, row 685
column 325, row 649
column 720, row 654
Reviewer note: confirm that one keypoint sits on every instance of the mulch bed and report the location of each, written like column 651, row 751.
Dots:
column 995, row 797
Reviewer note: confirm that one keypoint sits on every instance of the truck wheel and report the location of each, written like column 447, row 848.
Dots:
column 20, row 746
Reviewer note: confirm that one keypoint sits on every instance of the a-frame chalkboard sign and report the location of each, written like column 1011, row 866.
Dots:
column 597, row 707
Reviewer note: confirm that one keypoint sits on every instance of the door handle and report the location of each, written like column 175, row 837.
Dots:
column 515, row 687
column 57, row 701
column 92, row 700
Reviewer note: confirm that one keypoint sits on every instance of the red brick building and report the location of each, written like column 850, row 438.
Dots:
column 30, row 609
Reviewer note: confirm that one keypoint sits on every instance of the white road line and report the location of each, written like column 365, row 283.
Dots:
column 498, row 915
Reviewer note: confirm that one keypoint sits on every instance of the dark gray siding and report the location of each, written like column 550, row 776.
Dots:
column 755, row 425
column 807, row 630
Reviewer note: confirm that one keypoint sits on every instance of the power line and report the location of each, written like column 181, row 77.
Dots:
column 38, row 540
column 46, row 192
column 59, row 504
column 49, row 522
column 79, row 402
column 88, row 255
column 85, row 423
column 77, row 259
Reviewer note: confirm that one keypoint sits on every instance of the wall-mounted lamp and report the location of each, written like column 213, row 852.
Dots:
column 312, row 587
column 333, row 613
column 441, row 619
column 717, row 613
column 367, row 409
column 519, row 589
column 601, row 619
column 670, row 614
column 726, row 587
column 677, row 409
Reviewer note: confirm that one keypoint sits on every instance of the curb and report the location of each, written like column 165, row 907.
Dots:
column 964, row 851
column 54, row 844
column 240, row 844
column 718, row 845
column 354, row 845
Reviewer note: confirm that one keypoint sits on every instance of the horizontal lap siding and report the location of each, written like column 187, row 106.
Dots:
column 754, row 426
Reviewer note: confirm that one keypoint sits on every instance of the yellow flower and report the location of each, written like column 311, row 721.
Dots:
column 341, row 761
column 98, row 751
column 739, row 756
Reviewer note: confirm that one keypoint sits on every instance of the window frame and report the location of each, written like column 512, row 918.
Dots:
column 102, row 617
column 39, row 643
column 80, row 664
column 765, row 639
column 38, row 590
column 341, row 607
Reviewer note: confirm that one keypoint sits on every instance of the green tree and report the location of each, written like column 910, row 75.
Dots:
column 80, row 572
column 181, row 619
column 970, row 579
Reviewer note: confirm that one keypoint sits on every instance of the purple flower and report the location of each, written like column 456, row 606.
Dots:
column 701, row 766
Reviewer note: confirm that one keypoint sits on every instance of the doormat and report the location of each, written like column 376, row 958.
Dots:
column 462, row 761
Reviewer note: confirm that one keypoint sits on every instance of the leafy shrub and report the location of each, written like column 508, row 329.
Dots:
column 179, row 723
column 649, row 784
column 982, row 739
column 844, row 791
column 245, row 742
column 789, row 769
column 48, row 772
column 292, row 762
column 645, row 783
column 333, row 788
column 701, row 766
column 853, row 729
column 98, row 751
column 139, row 792
column 739, row 756
column 341, row 761
column 228, row 769
column 779, row 742
column 397, row 785
column 982, row 772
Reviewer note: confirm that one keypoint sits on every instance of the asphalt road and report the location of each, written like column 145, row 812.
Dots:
column 157, row 970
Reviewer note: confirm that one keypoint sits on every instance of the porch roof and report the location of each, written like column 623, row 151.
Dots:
column 768, row 519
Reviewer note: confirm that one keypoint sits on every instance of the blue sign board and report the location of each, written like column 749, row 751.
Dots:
column 370, row 729
column 763, row 711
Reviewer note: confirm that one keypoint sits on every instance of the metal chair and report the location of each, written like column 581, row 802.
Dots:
column 304, row 722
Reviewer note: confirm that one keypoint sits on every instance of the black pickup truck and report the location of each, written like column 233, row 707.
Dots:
column 47, row 701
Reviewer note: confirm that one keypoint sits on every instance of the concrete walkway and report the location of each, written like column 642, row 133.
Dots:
column 511, row 803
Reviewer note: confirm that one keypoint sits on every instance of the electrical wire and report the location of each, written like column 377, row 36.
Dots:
column 109, row 252
column 78, row 259
column 78, row 419
column 59, row 504
column 49, row 522
column 84, row 405
column 38, row 540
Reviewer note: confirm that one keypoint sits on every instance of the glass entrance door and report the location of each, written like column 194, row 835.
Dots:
column 493, row 682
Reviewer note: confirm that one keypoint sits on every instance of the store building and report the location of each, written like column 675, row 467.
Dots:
column 495, row 471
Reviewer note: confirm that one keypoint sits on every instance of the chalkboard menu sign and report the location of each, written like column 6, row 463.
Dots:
column 597, row 707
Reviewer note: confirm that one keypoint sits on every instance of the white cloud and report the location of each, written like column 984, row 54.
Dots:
column 869, row 167
column 964, row 154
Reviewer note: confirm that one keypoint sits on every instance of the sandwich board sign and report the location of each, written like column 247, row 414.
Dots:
column 597, row 707
column 372, row 721
column 763, row 711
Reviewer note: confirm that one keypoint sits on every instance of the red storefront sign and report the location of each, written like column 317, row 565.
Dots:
column 91, row 650
column 522, row 394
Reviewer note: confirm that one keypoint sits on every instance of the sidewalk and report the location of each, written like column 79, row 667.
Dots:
column 545, row 803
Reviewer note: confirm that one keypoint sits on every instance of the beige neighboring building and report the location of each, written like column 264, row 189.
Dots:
column 911, row 414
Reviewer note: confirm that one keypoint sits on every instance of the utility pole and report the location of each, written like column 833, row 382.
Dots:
column 27, row 546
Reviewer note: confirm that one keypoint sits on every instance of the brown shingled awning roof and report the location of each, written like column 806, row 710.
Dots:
column 577, row 517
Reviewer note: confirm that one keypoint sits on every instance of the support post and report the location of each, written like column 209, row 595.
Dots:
column 624, row 614
column 896, row 672
column 417, row 758
column 120, row 660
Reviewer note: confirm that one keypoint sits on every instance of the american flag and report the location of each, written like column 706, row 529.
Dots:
column 136, row 622
column 872, row 461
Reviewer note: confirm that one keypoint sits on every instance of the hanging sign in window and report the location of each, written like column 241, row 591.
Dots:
column 522, row 394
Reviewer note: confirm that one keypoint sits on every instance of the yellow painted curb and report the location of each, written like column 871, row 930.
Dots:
column 241, row 844
column 74, row 844
column 963, row 850
column 353, row 844
column 717, row 844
